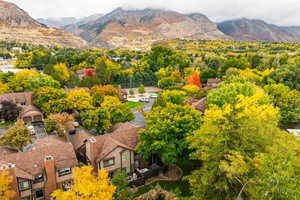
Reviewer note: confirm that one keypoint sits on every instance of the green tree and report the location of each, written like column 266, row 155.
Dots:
column 234, row 62
column 166, row 132
column 106, row 70
column 17, row 136
column 286, row 74
column 98, row 119
column 120, row 181
column 141, row 89
column 287, row 100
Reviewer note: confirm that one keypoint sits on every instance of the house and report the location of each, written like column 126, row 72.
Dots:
column 111, row 151
column 21, row 99
column 212, row 83
column 83, row 73
column 200, row 105
column 40, row 170
column 31, row 114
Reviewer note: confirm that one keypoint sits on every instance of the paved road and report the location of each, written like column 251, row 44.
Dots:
column 139, row 117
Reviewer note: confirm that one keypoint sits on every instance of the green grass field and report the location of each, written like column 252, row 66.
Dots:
column 134, row 104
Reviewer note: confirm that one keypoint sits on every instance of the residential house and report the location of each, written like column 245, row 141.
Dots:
column 40, row 170
column 212, row 83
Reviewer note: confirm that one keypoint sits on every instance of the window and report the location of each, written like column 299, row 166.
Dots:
column 38, row 118
column 39, row 194
column 39, row 178
column 24, row 185
column 109, row 162
column 64, row 171
column 125, row 156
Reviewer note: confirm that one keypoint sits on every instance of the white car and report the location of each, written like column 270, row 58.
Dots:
column 144, row 99
column 153, row 96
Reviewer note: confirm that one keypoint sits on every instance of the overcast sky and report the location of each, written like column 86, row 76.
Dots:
column 281, row 12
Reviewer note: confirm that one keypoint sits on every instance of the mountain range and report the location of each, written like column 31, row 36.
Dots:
column 17, row 25
column 133, row 29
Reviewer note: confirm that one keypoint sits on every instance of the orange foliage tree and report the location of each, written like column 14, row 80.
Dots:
column 194, row 79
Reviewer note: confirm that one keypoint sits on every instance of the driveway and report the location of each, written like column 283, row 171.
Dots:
column 139, row 116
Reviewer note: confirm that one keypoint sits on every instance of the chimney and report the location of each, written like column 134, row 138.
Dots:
column 91, row 151
column 11, row 168
column 50, row 184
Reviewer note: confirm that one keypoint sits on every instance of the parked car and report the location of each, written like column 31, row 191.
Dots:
column 144, row 99
column 153, row 96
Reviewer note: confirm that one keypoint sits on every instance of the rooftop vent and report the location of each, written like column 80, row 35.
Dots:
column 48, row 158
column 93, row 140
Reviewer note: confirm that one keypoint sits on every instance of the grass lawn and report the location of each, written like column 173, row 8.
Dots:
column 134, row 104
column 6, row 124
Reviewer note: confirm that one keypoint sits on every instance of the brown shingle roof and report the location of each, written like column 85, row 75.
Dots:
column 30, row 110
column 200, row 105
column 18, row 97
column 79, row 138
column 32, row 161
column 126, row 135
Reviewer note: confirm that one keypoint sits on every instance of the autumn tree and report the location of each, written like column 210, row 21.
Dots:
column 170, row 96
column 98, row 119
column 166, row 132
column 79, row 100
column 6, row 192
column 29, row 80
column 287, row 100
column 59, row 72
column 87, row 186
column 227, row 143
column 4, row 88
column 228, row 93
column 17, row 136
column 99, row 92
column 58, row 122
column 50, row 100
column 194, row 79
column 119, row 112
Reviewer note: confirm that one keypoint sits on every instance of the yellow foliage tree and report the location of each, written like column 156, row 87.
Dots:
column 4, row 88
column 60, row 72
column 87, row 186
column 79, row 100
column 6, row 193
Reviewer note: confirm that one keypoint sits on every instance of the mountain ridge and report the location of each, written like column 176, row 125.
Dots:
column 17, row 25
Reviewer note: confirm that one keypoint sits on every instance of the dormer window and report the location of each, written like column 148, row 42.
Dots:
column 39, row 178
column 64, row 171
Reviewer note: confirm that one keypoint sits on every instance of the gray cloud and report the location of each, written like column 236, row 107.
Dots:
column 281, row 12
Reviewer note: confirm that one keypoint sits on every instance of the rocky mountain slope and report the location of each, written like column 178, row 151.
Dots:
column 258, row 30
column 17, row 25
column 57, row 22
column 138, row 29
